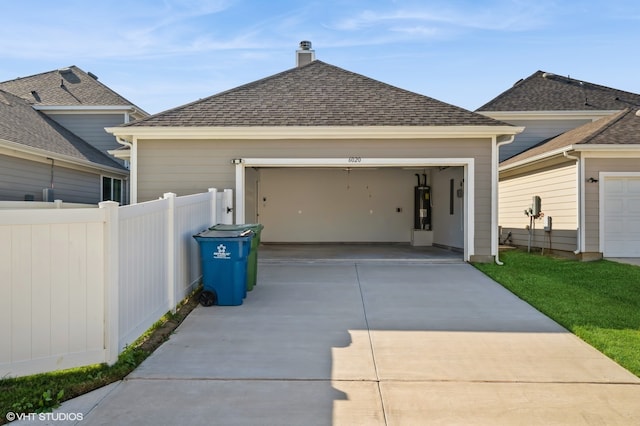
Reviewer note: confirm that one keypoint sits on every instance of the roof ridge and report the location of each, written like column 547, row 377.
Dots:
column 95, row 79
column 215, row 95
column 36, row 74
column 547, row 91
column 594, row 85
column 318, row 93
column 36, row 129
column 407, row 91
column 608, row 122
column 506, row 92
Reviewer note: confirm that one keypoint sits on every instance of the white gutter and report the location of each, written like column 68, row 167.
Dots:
column 86, row 108
column 60, row 157
column 495, row 179
column 580, row 201
column 133, row 169
column 313, row 132
column 606, row 147
column 538, row 157
column 627, row 149
column 548, row 115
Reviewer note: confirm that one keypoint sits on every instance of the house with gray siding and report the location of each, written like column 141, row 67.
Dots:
column 580, row 153
column 319, row 154
column 42, row 160
column 75, row 106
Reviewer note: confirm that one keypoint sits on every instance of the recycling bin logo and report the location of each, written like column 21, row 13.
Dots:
column 221, row 253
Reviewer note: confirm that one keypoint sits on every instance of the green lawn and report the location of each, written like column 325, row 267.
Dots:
column 598, row 301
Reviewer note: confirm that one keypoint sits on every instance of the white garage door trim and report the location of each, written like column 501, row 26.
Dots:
column 603, row 177
column 467, row 163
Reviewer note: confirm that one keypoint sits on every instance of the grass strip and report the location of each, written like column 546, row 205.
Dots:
column 41, row 393
column 597, row 301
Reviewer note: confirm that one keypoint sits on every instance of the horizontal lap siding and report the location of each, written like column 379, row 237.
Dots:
column 19, row 177
column 192, row 166
column 556, row 186
column 562, row 240
column 535, row 132
column 90, row 127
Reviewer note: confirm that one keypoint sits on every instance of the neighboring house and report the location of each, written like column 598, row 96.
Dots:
column 80, row 105
column 580, row 153
column 320, row 154
column 42, row 160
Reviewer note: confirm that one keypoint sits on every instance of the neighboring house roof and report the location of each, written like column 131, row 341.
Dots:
column 317, row 94
column 21, row 124
column 543, row 91
column 621, row 128
column 65, row 87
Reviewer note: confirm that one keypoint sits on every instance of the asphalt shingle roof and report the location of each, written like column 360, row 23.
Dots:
column 544, row 91
column 317, row 94
column 20, row 123
column 621, row 128
column 65, row 87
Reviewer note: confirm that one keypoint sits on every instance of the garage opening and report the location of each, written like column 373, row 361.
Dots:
column 361, row 206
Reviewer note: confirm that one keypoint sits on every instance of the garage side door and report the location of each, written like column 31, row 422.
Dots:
column 621, row 219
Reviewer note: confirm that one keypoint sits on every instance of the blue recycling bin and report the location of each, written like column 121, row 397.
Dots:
column 224, row 257
column 252, row 260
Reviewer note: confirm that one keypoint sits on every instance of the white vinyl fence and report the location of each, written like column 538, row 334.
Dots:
column 79, row 284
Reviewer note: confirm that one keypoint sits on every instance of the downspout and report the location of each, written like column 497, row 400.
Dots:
column 578, row 201
column 496, row 182
column 133, row 170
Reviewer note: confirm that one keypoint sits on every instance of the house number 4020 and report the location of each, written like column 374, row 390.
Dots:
column 355, row 159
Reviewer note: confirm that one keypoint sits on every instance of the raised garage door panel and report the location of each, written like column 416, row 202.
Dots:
column 622, row 216
column 336, row 205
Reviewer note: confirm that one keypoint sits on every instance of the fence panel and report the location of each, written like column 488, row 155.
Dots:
column 79, row 284
column 142, row 296
column 52, row 289
column 192, row 214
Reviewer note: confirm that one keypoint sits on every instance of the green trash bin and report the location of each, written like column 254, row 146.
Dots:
column 252, row 260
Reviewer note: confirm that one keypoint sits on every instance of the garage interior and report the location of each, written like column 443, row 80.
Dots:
column 358, row 212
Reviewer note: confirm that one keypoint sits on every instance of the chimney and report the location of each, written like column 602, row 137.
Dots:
column 305, row 55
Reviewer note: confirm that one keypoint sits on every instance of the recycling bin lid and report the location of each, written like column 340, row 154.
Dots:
column 230, row 227
column 213, row 233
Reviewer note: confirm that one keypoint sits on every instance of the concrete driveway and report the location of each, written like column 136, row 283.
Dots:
column 370, row 344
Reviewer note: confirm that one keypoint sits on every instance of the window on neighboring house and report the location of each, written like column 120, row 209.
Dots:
column 112, row 189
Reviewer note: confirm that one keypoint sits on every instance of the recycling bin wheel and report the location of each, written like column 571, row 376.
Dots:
column 208, row 298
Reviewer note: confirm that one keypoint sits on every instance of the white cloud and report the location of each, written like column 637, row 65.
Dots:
column 498, row 16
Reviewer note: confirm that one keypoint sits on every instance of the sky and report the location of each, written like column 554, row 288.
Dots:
column 160, row 54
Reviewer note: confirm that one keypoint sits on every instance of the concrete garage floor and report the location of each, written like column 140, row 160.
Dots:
column 350, row 253
column 370, row 343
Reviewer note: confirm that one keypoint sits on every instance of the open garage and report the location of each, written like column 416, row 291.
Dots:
column 319, row 154
column 399, row 201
